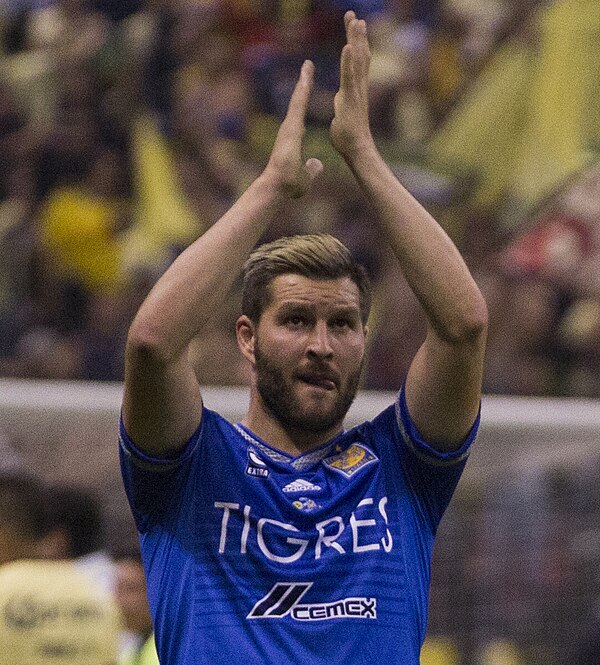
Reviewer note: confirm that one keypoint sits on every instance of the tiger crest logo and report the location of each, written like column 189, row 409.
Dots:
column 351, row 460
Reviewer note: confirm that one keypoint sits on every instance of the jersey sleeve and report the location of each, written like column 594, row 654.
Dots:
column 154, row 486
column 432, row 474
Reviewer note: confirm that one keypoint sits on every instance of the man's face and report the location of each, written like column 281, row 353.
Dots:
column 130, row 594
column 308, row 351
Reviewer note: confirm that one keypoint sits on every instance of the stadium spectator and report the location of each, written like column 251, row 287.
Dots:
column 440, row 651
column 75, row 531
column 146, row 655
column 49, row 610
column 22, row 518
column 81, row 225
column 137, row 642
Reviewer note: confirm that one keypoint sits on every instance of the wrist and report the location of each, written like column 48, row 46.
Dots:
column 364, row 150
column 361, row 155
column 269, row 184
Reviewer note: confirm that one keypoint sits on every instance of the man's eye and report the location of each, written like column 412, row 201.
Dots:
column 342, row 323
column 295, row 320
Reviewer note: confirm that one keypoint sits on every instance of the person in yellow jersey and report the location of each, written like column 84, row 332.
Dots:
column 81, row 228
column 50, row 611
column 136, row 644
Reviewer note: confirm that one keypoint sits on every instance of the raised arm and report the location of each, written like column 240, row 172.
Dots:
column 443, row 385
column 162, row 402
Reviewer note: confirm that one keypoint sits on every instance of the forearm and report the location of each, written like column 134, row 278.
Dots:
column 196, row 283
column 429, row 260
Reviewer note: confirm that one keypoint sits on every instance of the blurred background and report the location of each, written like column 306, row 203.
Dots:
column 127, row 127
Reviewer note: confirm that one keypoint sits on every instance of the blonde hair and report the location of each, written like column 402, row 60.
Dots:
column 316, row 256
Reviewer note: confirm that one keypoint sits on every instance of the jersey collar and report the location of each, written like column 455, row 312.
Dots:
column 299, row 463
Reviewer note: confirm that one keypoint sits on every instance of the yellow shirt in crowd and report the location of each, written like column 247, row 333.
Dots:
column 51, row 612
column 78, row 230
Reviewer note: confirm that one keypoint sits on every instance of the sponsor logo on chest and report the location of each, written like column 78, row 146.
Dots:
column 284, row 600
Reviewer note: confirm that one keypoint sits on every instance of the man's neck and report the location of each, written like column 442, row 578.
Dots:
column 293, row 441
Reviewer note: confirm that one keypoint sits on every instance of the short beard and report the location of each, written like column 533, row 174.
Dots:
column 277, row 395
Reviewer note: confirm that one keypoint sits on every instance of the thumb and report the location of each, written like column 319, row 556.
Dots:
column 313, row 167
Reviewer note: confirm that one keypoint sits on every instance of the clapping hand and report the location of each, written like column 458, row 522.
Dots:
column 292, row 175
column 350, row 132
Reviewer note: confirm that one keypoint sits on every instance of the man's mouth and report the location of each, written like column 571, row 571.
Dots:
column 324, row 381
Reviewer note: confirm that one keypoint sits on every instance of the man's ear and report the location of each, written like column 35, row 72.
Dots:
column 245, row 333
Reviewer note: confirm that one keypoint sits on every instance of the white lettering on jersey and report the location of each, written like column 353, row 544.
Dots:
column 329, row 541
column 227, row 507
column 365, row 524
column 246, row 530
column 355, row 525
column 387, row 547
column 293, row 541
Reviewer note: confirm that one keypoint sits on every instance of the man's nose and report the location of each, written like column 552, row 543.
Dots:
column 320, row 341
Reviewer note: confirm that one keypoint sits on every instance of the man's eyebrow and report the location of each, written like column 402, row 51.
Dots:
column 306, row 305
column 295, row 304
column 348, row 310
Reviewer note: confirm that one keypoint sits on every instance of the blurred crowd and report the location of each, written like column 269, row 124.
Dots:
column 127, row 127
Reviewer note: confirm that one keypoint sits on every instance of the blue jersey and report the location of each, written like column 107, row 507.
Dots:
column 253, row 556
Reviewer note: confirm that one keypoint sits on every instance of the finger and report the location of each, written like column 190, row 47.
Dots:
column 356, row 31
column 348, row 17
column 353, row 25
column 354, row 63
column 357, row 45
column 299, row 99
column 346, row 68
column 361, row 45
column 314, row 167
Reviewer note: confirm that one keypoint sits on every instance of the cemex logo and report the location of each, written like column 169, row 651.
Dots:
column 284, row 598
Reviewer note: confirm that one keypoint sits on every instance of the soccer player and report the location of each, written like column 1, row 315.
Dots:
column 284, row 538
